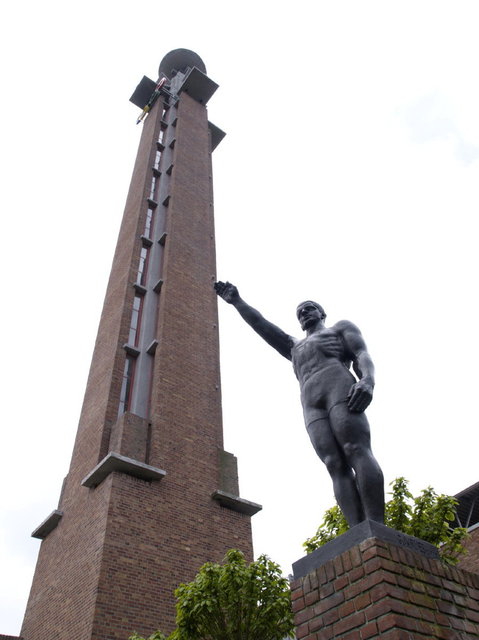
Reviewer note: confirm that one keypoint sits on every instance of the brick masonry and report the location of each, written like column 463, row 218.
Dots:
column 470, row 562
column 378, row 590
column 121, row 548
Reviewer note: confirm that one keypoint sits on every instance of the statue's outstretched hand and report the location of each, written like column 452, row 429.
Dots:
column 227, row 291
column 360, row 396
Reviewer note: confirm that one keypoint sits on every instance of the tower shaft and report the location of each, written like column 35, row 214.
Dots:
column 150, row 495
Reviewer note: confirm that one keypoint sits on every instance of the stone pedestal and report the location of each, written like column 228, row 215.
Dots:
column 382, row 586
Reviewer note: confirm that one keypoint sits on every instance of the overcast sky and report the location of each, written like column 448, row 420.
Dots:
column 349, row 175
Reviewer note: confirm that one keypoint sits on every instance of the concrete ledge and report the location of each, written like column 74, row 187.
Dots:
column 356, row 535
column 236, row 503
column 131, row 350
column 158, row 285
column 116, row 462
column 198, row 86
column 47, row 525
column 217, row 135
column 151, row 349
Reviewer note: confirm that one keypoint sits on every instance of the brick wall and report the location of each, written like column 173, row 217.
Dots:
column 470, row 562
column 110, row 566
column 378, row 590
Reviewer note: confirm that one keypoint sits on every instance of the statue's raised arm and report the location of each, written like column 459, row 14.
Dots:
column 273, row 335
column 333, row 399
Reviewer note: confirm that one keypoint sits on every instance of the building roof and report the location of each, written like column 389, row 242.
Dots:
column 468, row 508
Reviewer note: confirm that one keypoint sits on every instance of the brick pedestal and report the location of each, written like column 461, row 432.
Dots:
column 376, row 589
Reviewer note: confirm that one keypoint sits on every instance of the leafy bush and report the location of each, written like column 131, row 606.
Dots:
column 428, row 516
column 233, row 601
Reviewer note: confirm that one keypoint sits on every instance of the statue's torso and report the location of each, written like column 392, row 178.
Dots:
column 325, row 380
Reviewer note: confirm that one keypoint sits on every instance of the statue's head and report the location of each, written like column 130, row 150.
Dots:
column 309, row 312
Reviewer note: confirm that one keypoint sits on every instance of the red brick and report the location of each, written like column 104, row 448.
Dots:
column 298, row 604
column 362, row 601
column 330, row 617
column 378, row 609
column 321, row 575
column 313, row 581
column 352, row 635
column 471, row 627
column 370, row 630
column 441, row 618
column 330, row 572
column 326, row 590
column 355, row 556
column 386, row 622
column 446, row 634
column 372, row 565
column 297, row 593
column 346, row 559
column 351, row 622
column 346, row 609
column 366, row 544
column 403, row 622
column 371, row 552
column 302, row 631
column 396, row 634
column 472, row 604
column 332, row 601
column 338, row 566
column 422, row 600
column 352, row 590
column 114, row 560
column 473, row 593
column 316, row 623
column 473, row 615
column 454, row 587
column 457, row 623
column 311, row 598
column 340, row 583
column 303, row 616
column 449, row 609
column 356, row 574
column 399, row 602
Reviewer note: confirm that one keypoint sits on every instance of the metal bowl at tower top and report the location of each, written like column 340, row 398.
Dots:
column 179, row 60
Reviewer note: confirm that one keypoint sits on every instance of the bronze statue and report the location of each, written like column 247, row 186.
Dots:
column 333, row 399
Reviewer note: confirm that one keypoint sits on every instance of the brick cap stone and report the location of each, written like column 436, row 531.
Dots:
column 235, row 503
column 356, row 535
column 116, row 462
column 45, row 527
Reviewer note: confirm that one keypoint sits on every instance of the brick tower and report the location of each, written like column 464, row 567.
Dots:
column 150, row 495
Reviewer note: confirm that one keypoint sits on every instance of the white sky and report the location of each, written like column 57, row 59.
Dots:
column 349, row 175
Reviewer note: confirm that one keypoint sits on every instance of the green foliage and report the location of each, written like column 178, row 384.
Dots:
column 154, row 636
column 233, row 601
column 427, row 516
column 332, row 526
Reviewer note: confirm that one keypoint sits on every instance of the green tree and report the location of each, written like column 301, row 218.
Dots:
column 428, row 516
column 233, row 601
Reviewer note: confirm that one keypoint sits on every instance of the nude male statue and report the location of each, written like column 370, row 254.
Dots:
column 333, row 399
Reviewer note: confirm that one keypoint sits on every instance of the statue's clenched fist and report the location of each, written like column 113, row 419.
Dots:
column 227, row 291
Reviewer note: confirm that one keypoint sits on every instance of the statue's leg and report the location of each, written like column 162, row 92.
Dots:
column 352, row 434
column 344, row 483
